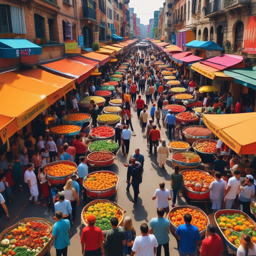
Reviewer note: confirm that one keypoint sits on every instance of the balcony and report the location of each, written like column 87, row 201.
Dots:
column 233, row 4
column 213, row 8
column 89, row 13
column 169, row 5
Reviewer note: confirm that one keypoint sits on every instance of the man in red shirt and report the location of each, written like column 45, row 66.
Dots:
column 154, row 136
column 92, row 239
column 238, row 106
column 140, row 105
column 191, row 86
column 80, row 147
column 212, row 244
column 133, row 90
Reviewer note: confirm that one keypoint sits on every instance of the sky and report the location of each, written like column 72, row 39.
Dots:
column 145, row 9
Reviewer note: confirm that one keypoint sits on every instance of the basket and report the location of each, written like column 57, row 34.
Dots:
column 102, row 201
column 46, row 248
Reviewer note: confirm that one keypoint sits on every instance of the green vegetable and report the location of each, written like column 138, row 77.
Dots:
column 237, row 241
column 108, row 88
column 46, row 239
column 5, row 250
column 12, row 241
column 103, row 145
column 239, row 223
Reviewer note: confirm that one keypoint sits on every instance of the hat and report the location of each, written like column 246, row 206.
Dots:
column 154, row 105
column 249, row 176
column 91, row 219
column 139, row 96
column 169, row 111
column 235, row 167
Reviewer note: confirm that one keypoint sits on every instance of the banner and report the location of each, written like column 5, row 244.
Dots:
column 250, row 36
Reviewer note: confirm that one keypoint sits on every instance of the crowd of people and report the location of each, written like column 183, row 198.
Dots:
column 26, row 166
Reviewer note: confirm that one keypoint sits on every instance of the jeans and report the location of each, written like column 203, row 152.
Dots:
column 171, row 131
column 148, row 98
column 73, row 205
column 246, row 207
column 52, row 155
column 128, row 186
column 129, row 122
column 151, row 144
column 62, row 252
column 141, row 89
column 118, row 139
column 166, row 249
column 126, row 145
column 187, row 254
column 135, row 187
column 138, row 111
column 174, row 195
column 133, row 96
column 93, row 253
column 155, row 95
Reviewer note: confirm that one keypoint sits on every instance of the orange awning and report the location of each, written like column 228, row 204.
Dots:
column 116, row 49
column 102, row 58
column 8, row 126
column 237, row 131
column 118, row 45
column 106, row 51
column 49, row 78
column 70, row 68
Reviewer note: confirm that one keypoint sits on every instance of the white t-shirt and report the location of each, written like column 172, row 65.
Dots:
column 2, row 201
column 144, row 245
column 162, row 197
column 234, row 184
column 2, row 186
column 248, row 191
column 241, row 251
column 217, row 188
column 40, row 144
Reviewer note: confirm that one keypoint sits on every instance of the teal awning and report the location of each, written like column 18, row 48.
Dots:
column 116, row 37
column 206, row 45
column 246, row 76
column 14, row 48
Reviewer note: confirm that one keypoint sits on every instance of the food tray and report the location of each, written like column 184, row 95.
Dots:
column 108, row 123
column 105, row 112
column 87, row 105
column 75, row 122
column 186, row 121
column 114, row 151
column 195, row 137
column 179, row 149
column 104, row 96
column 102, row 138
column 200, row 152
column 101, row 163
column 66, row 134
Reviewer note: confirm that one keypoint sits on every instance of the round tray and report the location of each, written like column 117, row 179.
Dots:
column 165, row 112
column 183, row 165
column 75, row 122
column 109, row 123
column 178, row 120
column 56, row 180
column 104, row 96
column 87, row 105
column 206, row 157
column 195, row 137
column 101, row 193
column 200, row 152
column 105, row 112
column 114, row 151
column 102, row 201
column 179, row 149
column 67, row 134
column 102, row 138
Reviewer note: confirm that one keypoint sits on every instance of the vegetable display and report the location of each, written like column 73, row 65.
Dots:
column 197, row 180
column 102, row 131
column 197, row 131
column 100, row 180
column 187, row 157
column 184, row 96
column 111, row 83
column 112, row 109
column 173, row 82
column 100, row 156
column 116, row 101
column 108, row 118
column 96, row 99
column 234, row 225
column 199, row 219
column 179, row 144
column 115, row 79
column 103, row 213
column 77, row 117
column 187, row 116
column 108, row 88
column 102, row 93
column 169, row 77
column 166, row 73
column 58, row 170
column 178, row 89
column 116, row 76
column 100, row 145
column 63, row 129
column 28, row 239
column 175, row 108
column 253, row 207
column 206, row 146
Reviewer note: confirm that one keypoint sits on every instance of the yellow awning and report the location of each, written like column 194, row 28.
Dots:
column 106, row 51
column 156, row 41
column 116, row 49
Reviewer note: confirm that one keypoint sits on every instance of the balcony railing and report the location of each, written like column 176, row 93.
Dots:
column 89, row 13
column 233, row 3
column 212, row 7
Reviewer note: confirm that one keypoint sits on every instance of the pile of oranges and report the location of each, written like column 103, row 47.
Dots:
column 77, row 117
column 58, row 170
column 178, row 144
column 63, row 129
column 100, row 180
column 199, row 219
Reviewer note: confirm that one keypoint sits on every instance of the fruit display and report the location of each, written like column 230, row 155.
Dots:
column 117, row 76
column 101, row 180
column 169, row 77
column 107, row 88
column 77, row 117
column 26, row 239
column 166, row 73
column 175, row 108
column 103, row 210
column 197, row 131
column 102, row 132
column 111, row 109
column 103, row 93
column 186, row 157
column 96, row 99
column 173, row 82
column 123, row 67
column 205, row 146
column 178, row 89
column 111, row 83
column 58, row 170
column 197, row 180
column 100, row 145
column 65, row 129
column 184, row 96
column 100, row 156
column 116, row 101
column 115, row 79
column 233, row 224
column 108, row 118
column 187, row 116
column 253, row 207
column 199, row 218
column 179, row 145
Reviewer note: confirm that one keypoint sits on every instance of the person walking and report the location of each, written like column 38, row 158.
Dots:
column 52, row 148
column 64, row 206
column 80, row 147
column 146, row 244
column 140, row 105
column 154, row 136
column 115, row 239
column 231, row 191
column 92, row 239
column 247, row 247
column 148, row 95
column 60, row 234
column 162, row 154
column 152, row 112
column 149, row 128
column 133, row 90
column 126, row 136
column 212, row 244
column 130, row 235
column 170, row 121
column 163, row 196
column 176, row 184
column 157, row 115
column 82, row 169
column 30, row 179
column 17, row 172
column 159, row 226
column 144, row 119
column 217, row 189
column 139, row 157
column 43, row 184
column 189, row 236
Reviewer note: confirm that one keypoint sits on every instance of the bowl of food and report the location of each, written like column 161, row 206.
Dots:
column 76, row 118
column 66, row 130
column 186, row 117
column 186, row 160
column 112, row 110
column 166, row 73
column 103, row 93
column 110, row 119
column 85, row 102
column 183, row 96
column 179, row 146
column 116, row 102
column 205, row 146
column 171, row 83
column 178, row 89
column 174, row 108
column 102, row 132
column 169, row 77
column 100, row 145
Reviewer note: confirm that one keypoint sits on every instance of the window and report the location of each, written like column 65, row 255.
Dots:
column 39, row 26
column 109, row 13
column 121, row 18
column 102, row 34
column 5, row 19
column 70, row 2
column 50, row 25
column 184, row 16
column 181, row 13
column 117, row 17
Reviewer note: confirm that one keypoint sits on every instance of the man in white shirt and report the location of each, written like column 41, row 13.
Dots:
column 126, row 135
column 217, row 189
column 231, row 191
column 30, row 179
column 51, row 145
column 40, row 143
column 163, row 196
column 2, row 202
column 144, row 245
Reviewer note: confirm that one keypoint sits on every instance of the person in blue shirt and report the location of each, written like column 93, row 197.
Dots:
column 229, row 100
column 138, row 156
column 75, row 184
column 60, row 234
column 170, row 121
column 65, row 155
column 250, row 109
column 159, row 227
column 189, row 236
column 152, row 111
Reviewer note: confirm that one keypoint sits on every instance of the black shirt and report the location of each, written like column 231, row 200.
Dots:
column 219, row 166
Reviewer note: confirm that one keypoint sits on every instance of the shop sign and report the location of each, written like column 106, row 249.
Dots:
column 81, row 41
column 203, row 72
column 250, row 36
column 210, row 54
column 71, row 46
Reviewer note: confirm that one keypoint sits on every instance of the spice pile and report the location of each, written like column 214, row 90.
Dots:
column 102, row 93
column 77, row 117
column 197, row 131
column 175, row 108
column 108, row 118
column 184, row 96
column 179, row 144
column 100, row 156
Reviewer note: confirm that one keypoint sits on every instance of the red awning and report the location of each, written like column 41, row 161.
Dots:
column 224, row 61
column 190, row 58
column 70, row 68
column 101, row 58
column 175, row 49
column 163, row 44
column 181, row 55
column 86, row 61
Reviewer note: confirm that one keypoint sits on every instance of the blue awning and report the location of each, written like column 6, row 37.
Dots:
column 116, row 37
column 14, row 48
column 206, row 45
